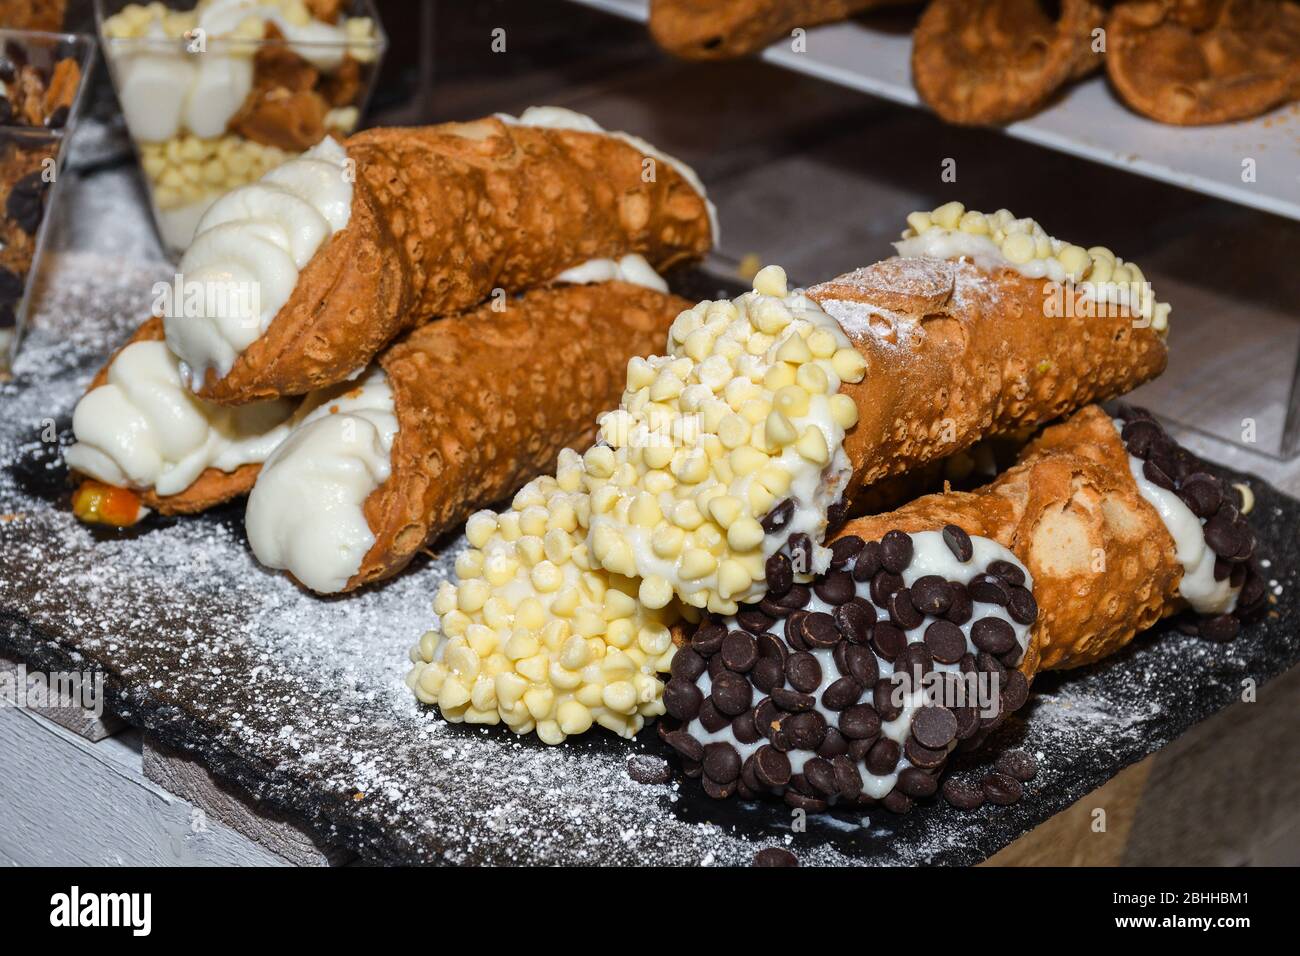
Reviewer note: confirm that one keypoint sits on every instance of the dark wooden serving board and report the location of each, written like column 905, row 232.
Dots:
column 302, row 702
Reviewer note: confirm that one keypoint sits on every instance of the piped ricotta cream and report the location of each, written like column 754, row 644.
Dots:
column 632, row 268
column 306, row 512
column 248, row 251
column 144, row 429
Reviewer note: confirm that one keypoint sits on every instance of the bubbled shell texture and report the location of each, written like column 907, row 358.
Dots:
column 1102, row 561
column 442, row 216
column 486, row 401
column 993, row 61
column 955, row 354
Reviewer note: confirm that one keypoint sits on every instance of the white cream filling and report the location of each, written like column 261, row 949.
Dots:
column 144, row 429
column 306, row 512
column 248, row 251
column 164, row 89
column 1197, row 587
column 632, row 268
column 931, row 555
column 557, row 117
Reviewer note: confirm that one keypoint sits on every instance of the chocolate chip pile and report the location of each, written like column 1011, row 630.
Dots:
column 1228, row 534
column 796, row 696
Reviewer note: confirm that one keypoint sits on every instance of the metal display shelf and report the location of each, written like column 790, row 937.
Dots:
column 1087, row 121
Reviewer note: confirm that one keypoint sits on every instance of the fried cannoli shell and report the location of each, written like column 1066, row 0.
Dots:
column 1196, row 62
column 486, row 401
column 443, row 215
column 977, row 62
column 723, row 29
column 955, row 353
column 1103, row 562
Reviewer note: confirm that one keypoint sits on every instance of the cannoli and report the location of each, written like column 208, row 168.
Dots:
column 767, row 416
column 771, row 412
column 994, row 61
column 930, row 623
column 145, row 442
column 329, row 257
column 456, row 415
column 1193, row 62
column 721, row 29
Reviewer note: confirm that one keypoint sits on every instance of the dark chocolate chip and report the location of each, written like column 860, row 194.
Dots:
column 883, row 585
column 848, row 782
column 857, row 661
column 842, row 693
column 803, row 802
column 771, row 767
column 778, row 517
column 798, row 596
column 931, row 594
column 11, row 285
column 1001, row 789
column 1201, row 493
column 754, row 620
column 844, row 550
column 58, row 119
column 919, row 755
column 962, row 795
column 896, row 551
column 1017, row 764
column 867, row 565
column 739, row 651
column 767, row 674
column 801, row 553
column 1007, row 571
column 732, row 694
column 793, row 701
column 803, row 671
column 744, row 728
column 882, row 698
column 888, row 640
column 1153, row 473
column 833, row 744
column 835, row 588
column 993, row 634
column 682, row 699
column 1138, row 436
column 719, row 791
column 946, row 642
column 775, row 856
column 1022, row 607
column 1222, row 628
column 711, row 718
column 934, row 727
column 819, row 630
column 1015, row 691
column 708, row 638
column 806, row 730
column 1223, row 536
column 687, row 665
column 902, row 611
column 821, row 775
column 25, row 205
column 721, row 762
column 794, row 630
column 917, row 783
column 860, row 722
column 897, row 802
column 958, row 542
column 883, row 757
column 961, row 609
column 685, row 744
column 780, row 575
column 988, row 589
column 854, row 620
column 647, row 768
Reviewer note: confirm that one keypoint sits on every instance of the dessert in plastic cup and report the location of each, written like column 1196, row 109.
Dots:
column 216, row 93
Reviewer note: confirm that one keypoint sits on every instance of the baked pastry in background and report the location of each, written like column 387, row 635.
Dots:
column 977, row 62
column 1194, row 62
column 44, row 15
